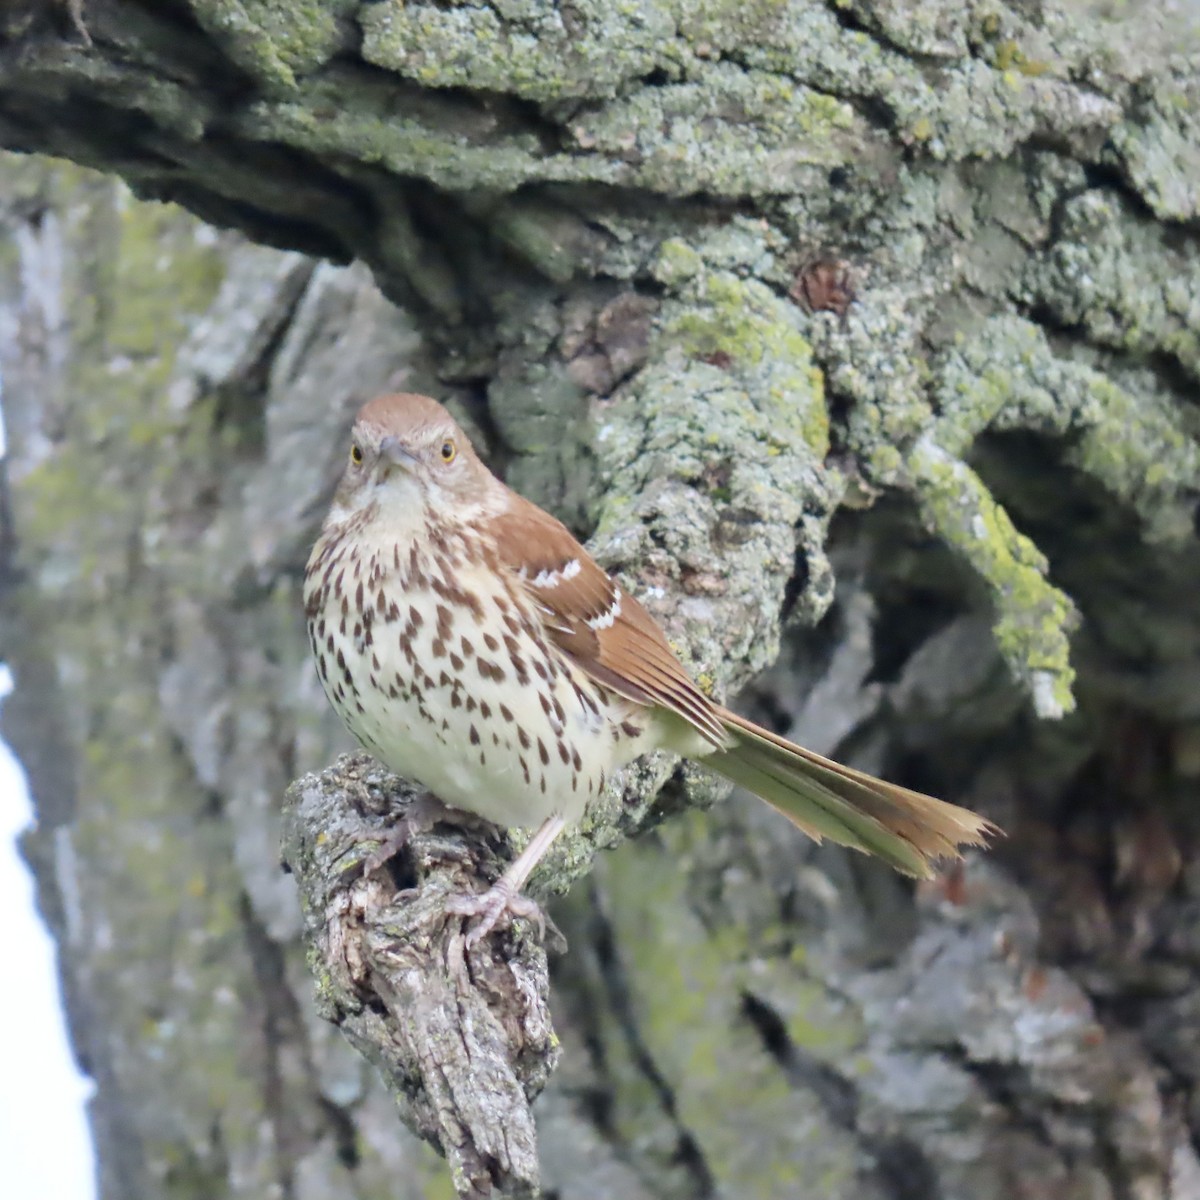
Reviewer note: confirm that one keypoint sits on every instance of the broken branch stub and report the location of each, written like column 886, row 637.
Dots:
column 463, row 1038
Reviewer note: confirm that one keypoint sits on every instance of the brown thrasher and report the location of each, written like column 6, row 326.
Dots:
column 473, row 645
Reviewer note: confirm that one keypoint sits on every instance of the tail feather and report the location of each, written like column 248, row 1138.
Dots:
column 826, row 799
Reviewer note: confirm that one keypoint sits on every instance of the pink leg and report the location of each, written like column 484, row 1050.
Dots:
column 504, row 896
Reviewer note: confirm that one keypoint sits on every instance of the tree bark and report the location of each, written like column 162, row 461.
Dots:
column 591, row 227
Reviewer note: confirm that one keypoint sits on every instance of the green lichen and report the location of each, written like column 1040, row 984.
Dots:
column 710, row 125
column 712, row 460
column 733, row 101
column 761, row 1137
column 1007, row 55
column 342, row 114
column 881, row 378
column 551, row 55
column 725, row 130
column 752, row 99
column 1125, row 279
column 1005, row 376
column 743, row 327
column 677, row 263
column 1160, row 147
column 277, row 41
column 1033, row 618
column 150, row 278
column 136, row 279
column 140, row 825
column 1034, row 67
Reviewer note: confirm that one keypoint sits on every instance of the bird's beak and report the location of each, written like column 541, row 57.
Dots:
column 392, row 450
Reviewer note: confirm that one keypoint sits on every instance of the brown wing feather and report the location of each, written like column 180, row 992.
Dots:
column 591, row 618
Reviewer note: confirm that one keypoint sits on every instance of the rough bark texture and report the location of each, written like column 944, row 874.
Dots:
column 460, row 1034
column 582, row 224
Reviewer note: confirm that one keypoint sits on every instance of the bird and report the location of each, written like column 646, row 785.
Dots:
column 471, row 644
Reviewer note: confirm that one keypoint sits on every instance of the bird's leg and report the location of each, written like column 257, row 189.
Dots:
column 504, row 896
column 425, row 811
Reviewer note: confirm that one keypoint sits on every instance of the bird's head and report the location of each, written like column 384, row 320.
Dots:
column 407, row 455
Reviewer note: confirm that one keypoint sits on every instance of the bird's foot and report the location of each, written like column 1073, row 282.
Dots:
column 504, row 897
column 501, row 900
column 419, row 817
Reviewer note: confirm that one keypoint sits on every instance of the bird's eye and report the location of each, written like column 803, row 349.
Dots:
column 449, row 451
column 356, row 454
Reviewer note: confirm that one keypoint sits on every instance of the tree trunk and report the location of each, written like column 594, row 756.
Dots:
column 611, row 236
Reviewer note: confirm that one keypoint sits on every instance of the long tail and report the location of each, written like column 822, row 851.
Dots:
column 826, row 799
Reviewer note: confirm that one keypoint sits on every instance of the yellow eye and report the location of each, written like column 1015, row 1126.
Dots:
column 356, row 454
column 449, row 451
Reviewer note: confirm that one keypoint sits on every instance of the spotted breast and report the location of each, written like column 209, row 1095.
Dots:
column 435, row 656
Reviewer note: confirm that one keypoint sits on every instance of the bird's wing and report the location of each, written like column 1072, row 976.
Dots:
column 595, row 622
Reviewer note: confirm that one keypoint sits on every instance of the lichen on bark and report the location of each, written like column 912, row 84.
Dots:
column 589, row 218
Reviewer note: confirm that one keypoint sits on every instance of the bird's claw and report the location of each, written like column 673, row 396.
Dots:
column 491, row 907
